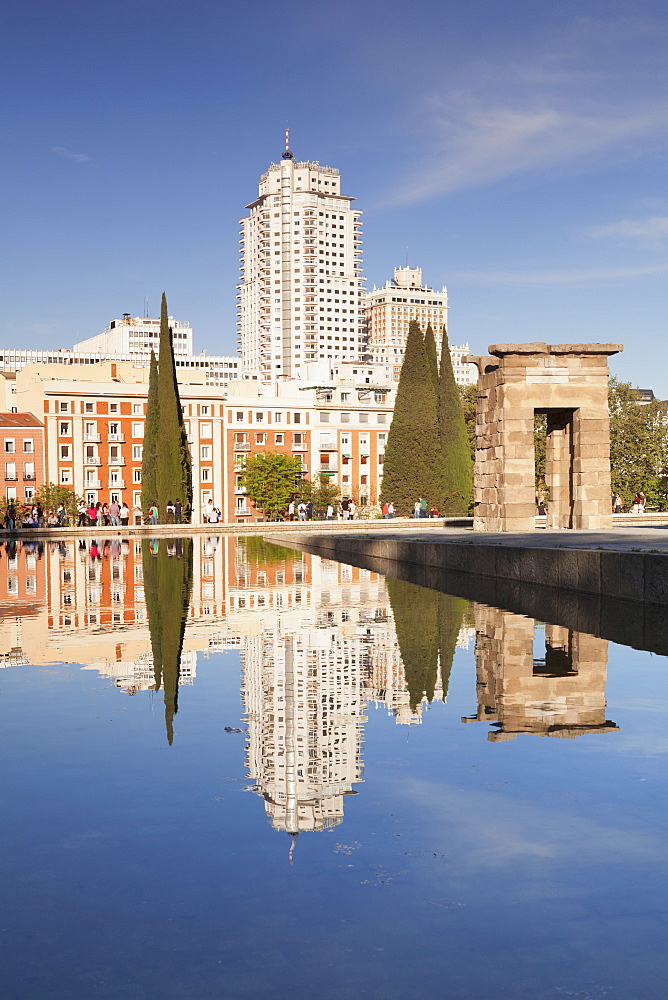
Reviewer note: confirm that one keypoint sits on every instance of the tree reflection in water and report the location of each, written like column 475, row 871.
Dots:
column 427, row 624
column 168, row 579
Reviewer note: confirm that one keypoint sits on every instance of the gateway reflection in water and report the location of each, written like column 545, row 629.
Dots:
column 320, row 641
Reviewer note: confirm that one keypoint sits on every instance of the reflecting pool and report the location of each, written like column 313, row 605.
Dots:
column 232, row 770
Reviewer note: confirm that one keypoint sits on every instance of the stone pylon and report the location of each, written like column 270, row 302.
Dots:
column 569, row 383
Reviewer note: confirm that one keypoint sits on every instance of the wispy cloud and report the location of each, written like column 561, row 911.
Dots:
column 559, row 276
column 650, row 232
column 69, row 154
column 479, row 142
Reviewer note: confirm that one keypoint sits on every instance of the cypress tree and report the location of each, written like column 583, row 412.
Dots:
column 413, row 457
column 173, row 466
column 430, row 351
column 149, row 489
column 456, row 464
column 415, row 612
column 168, row 578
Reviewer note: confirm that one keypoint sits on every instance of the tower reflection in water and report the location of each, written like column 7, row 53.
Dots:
column 319, row 641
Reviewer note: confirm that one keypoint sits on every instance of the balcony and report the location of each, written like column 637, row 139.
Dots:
column 28, row 478
column 11, row 479
column 328, row 446
column 116, row 460
column 90, row 460
column 242, row 446
column 118, row 485
column 93, row 484
column 300, row 447
column 116, row 437
column 94, row 438
column 327, row 467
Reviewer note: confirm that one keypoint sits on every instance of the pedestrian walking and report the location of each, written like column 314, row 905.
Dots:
column 153, row 514
column 178, row 511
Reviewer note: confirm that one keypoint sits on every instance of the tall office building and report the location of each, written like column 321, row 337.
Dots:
column 301, row 283
column 388, row 312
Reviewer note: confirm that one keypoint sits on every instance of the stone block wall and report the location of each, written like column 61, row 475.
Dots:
column 569, row 382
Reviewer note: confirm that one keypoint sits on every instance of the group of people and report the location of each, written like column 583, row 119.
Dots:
column 174, row 513
column 34, row 517
column 102, row 515
column 422, row 509
column 637, row 507
column 303, row 510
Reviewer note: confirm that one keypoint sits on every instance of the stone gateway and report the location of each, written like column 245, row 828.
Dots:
column 569, row 383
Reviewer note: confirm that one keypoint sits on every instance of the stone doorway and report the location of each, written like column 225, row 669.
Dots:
column 569, row 383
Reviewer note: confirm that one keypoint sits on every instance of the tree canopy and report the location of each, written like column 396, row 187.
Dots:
column 638, row 445
column 271, row 481
column 413, row 460
column 457, row 465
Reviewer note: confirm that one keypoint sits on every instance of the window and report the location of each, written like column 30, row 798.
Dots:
column 345, row 418
column 204, row 411
column 28, row 470
column 10, row 470
column 65, row 451
column 240, row 417
column 205, row 452
column 345, row 396
column 260, row 439
column 89, row 407
column 205, row 430
column 206, row 475
column 278, row 439
column 137, row 408
column 113, row 408
column 10, row 445
column 28, row 445
column 64, row 407
column 324, row 417
column 381, row 418
column 364, row 418
column 137, row 452
column 296, row 418
column 136, row 475
column 296, row 438
column 137, row 430
column 259, row 417
column 114, row 453
column 278, row 418
column 65, row 477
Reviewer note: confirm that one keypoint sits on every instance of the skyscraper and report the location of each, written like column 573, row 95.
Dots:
column 301, row 283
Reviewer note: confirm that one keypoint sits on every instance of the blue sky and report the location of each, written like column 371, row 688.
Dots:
column 516, row 152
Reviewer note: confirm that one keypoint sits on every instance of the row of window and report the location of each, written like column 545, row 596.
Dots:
column 205, row 409
column 114, row 430
column 28, row 445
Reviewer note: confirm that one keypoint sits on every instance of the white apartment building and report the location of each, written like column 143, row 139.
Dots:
column 137, row 336
column 388, row 312
column 300, row 289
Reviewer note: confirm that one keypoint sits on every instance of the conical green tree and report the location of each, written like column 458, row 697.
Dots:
column 168, row 578
column 413, row 456
column 415, row 612
column 149, row 489
column 173, row 466
column 432, row 354
column 457, row 466
column 451, row 611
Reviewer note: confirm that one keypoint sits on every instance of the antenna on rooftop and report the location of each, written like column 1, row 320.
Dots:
column 287, row 155
column 146, row 307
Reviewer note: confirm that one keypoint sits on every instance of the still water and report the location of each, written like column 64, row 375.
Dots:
column 231, row 771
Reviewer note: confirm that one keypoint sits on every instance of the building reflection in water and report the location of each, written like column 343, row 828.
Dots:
column 320, row 643
column 548, row 681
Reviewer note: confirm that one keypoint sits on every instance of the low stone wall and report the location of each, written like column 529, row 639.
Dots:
column 492, row 574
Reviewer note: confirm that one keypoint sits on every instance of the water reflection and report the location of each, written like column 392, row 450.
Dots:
column 167, row 566
column 547, row 681
column 320, row 643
